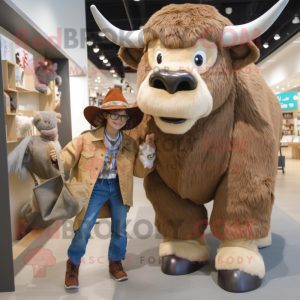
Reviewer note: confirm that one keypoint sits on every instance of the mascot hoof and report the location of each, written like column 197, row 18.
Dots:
column 174, row 265
column 237, row 281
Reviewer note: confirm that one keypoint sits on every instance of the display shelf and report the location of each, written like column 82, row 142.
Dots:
column 46, row 102
column 12, row 18
column 21, row 89
column 29, row 82
column 36, row 92
column 9, row 76
column 11, row 128
column 13, row 95
column 289, row 123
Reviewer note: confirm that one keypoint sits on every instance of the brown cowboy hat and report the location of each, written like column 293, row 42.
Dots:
column 114, row 99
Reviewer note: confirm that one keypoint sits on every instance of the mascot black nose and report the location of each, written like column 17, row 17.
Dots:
column 173, row 81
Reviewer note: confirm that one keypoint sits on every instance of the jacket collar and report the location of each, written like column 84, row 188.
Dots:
column 99, row 135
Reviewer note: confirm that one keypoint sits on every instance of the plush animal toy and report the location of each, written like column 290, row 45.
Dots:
column 30, row 155
column 47, row 81
column 217, row 125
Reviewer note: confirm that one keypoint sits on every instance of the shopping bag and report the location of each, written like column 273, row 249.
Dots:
column 59, row 199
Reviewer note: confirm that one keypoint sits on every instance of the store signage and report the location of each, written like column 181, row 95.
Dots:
column 288, row 100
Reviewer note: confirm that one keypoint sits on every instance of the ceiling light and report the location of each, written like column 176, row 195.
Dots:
column 266, row 45
column 90, row 43
column 96, row 88
column 276, row 36
column 101, row 57
column 108, row 64
column 283, row 89
column 98, row 77
column 105, row 60
column 99, row 80
column 228, row 10
column 277, row 87
column 131, row 90
column 115, row 75
column 96, row 49
column 112, row 70
column 96, row 80
column 136, row 0
column 296, row 20
column 295, row 86
column 101, row 34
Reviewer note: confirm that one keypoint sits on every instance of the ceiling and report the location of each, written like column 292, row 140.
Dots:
column 102, row 81
column 281, row 69
column 131, row 14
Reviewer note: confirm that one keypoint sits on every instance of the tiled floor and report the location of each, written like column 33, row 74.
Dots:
column 95, row 281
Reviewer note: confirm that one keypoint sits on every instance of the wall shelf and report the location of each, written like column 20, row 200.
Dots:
column 13, row 18
column 21, row 89
column 9, row 76
column 46, row 102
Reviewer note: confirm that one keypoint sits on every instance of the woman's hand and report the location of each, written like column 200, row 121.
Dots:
column 53, row 155
column 150, row 140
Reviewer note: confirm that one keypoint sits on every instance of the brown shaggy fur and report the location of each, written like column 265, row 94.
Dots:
column 229, row 156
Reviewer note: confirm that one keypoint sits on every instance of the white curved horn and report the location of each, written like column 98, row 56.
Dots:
column 240, row 34
column 130, row 39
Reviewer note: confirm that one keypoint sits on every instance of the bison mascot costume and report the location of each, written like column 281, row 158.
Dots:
column 217, row 126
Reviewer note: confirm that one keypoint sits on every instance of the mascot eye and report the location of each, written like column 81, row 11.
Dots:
column 200, row 58
column 159, row 57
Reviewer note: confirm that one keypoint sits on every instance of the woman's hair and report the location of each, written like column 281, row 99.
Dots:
column 101, row 121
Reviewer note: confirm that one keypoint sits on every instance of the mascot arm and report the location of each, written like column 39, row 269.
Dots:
column 144, row 161
column 148, row 156
column 69, row 155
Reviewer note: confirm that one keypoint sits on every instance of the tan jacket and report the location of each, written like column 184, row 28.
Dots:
column 84, row 156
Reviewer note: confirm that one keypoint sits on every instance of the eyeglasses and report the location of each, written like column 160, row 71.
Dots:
column 114, row 116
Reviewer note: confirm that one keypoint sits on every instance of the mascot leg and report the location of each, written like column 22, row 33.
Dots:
column 242, row 210
column 265, row 242
column 181, row 222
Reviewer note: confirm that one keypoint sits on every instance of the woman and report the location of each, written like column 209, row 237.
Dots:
column 107, row 159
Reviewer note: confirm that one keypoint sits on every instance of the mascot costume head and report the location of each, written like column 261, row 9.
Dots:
column 218, row 127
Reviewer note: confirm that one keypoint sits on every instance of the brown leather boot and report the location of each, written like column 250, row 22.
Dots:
column 71, row 281
column 116, row 269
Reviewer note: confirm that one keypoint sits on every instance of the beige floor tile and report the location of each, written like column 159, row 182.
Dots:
column 10, row 295
column 82, row 294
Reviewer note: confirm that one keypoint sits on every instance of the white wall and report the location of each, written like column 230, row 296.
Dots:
column 51, row 15
column 79, row 100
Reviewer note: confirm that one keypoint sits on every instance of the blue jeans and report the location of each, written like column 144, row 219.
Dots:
column 104, row 189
